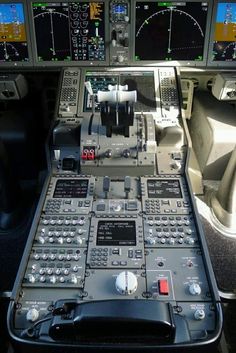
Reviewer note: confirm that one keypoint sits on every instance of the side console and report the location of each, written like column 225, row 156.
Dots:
column 116, row 258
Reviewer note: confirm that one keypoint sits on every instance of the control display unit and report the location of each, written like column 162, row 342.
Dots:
column 116, row 233
column 71, row 188
column 69, row 31
column 224, row 37
column 167, row 188
column 170, row 31
column 13, row 36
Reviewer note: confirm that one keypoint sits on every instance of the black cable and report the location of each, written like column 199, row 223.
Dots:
column 30, row 331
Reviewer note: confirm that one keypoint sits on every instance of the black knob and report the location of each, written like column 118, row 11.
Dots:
column 108, row 154
column 126, row 153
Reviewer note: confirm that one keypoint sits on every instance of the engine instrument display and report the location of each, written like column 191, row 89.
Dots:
column 224, row 48
column 170, row 30
column 72, row 31
column 13, row 41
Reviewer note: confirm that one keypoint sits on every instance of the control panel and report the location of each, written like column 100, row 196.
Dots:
column 116, row 239
column 120, row 27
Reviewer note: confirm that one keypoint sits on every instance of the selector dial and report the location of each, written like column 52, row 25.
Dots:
column 32, row 315
column 195, row 289
column 126, row 283
column 199, row 314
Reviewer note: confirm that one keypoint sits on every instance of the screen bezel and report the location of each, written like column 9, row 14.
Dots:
column 38, row 63
column 218, row 63
column 28, row 37
column 181, row 63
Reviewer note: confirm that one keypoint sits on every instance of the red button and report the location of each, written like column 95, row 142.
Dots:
column 91, row 155
column 84, row 156
column 163, row 286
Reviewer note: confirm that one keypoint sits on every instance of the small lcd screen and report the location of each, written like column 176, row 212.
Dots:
column 224, row 48
column 120, row 9
column 13, row 41
column 116, row 233
column 71, row 189
column 73, row 31
column 164, row 189
column 170, row 30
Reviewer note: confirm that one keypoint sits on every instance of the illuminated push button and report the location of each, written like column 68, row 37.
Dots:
column 117, row 207
column 126, row 283
column 163, row 286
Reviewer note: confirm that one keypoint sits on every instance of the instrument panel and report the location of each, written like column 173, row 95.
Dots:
column 117, row 33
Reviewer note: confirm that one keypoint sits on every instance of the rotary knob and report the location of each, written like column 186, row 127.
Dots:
column 195, row 289
column 120, row 58
column 32, row 315
column 79, row 240
column 108, row 154
column 150, row 241
column 117, row 207
column 199, row 314
column 126, row 283
column 126, row 153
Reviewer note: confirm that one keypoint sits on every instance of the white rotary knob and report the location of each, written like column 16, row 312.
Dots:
column 195, row 289
column 32, row 315
column 126, row 283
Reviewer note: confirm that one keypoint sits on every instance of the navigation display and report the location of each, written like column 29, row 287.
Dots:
column 72, row 31
column 224, row 48
column 115, row 233
column 164, row 189
column 13, row 41
column 170, row 30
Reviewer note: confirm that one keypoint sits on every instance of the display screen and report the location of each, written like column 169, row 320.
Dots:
column 71, row 188
column 120, row 9
column 115, row 233
column 170, row 30
column 224, row 48
column 13, row 41
column 72, row 31
column 164, row 189
column 141, row 82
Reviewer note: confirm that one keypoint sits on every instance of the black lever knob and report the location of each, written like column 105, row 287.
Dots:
column 106, row 185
